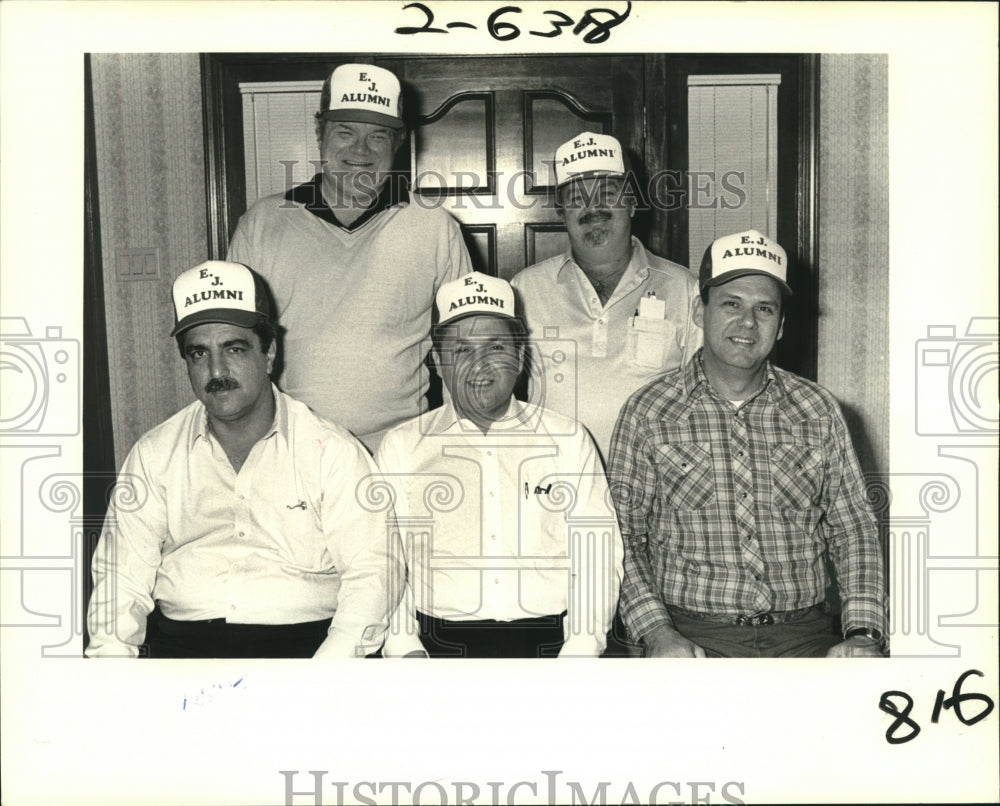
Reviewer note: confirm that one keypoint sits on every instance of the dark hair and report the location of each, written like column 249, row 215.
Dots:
column 785, row 296
column 518, row 332
column 266, row 330
column 630, row 193
column 399, row 134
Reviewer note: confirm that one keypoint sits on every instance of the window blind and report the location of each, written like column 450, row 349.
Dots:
column 732, row 157
column 279, row 135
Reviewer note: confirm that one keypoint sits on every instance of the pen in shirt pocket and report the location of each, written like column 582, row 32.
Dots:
column 525, row 491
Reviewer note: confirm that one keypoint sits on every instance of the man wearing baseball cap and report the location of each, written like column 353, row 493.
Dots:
column 236, row 529
column 353, row 265
column 735, row 482
column 512, row 546
column 626, row 311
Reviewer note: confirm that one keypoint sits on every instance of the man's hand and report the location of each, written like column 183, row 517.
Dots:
column 666, row 642
column 859, row 646
column 417, row 653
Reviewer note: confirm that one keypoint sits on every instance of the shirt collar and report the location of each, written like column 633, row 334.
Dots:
column 200, row 428
column 518, row 417
column 638, row 264
column 693, row 378
column 310, row 195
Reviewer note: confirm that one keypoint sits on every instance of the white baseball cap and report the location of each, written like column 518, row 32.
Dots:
column 740, row 254
column 474, row 294
column 363, row 93
column 589, row 154
column 219, row 291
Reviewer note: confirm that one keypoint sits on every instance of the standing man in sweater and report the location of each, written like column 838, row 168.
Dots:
column 354, row 269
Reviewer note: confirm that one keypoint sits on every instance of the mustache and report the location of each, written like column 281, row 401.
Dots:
column 221, row 385
column 594, row 216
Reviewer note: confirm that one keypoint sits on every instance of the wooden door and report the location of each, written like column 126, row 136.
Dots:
column 486, row 133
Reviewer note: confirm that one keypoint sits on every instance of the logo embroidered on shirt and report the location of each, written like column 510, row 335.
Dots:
column 300, row 505
column 539, row 490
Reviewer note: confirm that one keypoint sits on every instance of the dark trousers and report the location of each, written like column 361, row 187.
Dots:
column 807, row 636
column 522, row 638
column 216, row 638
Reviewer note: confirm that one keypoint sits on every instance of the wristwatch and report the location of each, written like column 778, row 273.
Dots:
column 874, row 636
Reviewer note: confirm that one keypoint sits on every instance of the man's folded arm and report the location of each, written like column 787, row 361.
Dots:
column 125, row 563
column 364, row 542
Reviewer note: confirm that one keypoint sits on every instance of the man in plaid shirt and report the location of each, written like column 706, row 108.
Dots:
column 734, row 481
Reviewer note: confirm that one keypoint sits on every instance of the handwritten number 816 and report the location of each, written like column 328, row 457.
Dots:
column 889, row 706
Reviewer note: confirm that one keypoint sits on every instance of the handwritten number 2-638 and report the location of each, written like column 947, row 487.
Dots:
column 597, row 22
column 890, row 701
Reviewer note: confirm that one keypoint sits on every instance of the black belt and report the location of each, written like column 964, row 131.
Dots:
column 743, row 620
column 487, row 624
column 195, row 627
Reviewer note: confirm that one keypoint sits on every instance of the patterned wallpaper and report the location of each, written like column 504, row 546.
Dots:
column 854, row 247
column 151, row 186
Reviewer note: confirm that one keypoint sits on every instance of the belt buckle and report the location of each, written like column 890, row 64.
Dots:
column 755, row 621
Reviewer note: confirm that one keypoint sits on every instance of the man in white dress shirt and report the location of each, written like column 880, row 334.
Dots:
column 238, row 519
column 512, row 544
column 625, row 312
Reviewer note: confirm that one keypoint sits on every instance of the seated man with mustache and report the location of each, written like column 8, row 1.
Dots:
column 238, row 518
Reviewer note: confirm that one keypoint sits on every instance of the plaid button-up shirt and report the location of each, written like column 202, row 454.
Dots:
column 733, row 511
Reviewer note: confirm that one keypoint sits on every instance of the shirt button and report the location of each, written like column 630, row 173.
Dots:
column 243, row 534
column 232, row 607
column 493, row 537
column 496, row 581
column 489, row 453
column 600, row 321
column 739, row 453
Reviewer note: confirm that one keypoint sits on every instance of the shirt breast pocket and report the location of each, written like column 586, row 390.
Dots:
column 685, row 473
column 797, row 475
column 650, row 343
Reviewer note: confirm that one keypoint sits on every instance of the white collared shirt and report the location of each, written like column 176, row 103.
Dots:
column 285, row 540
column 514, row 523
column 595, row 355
